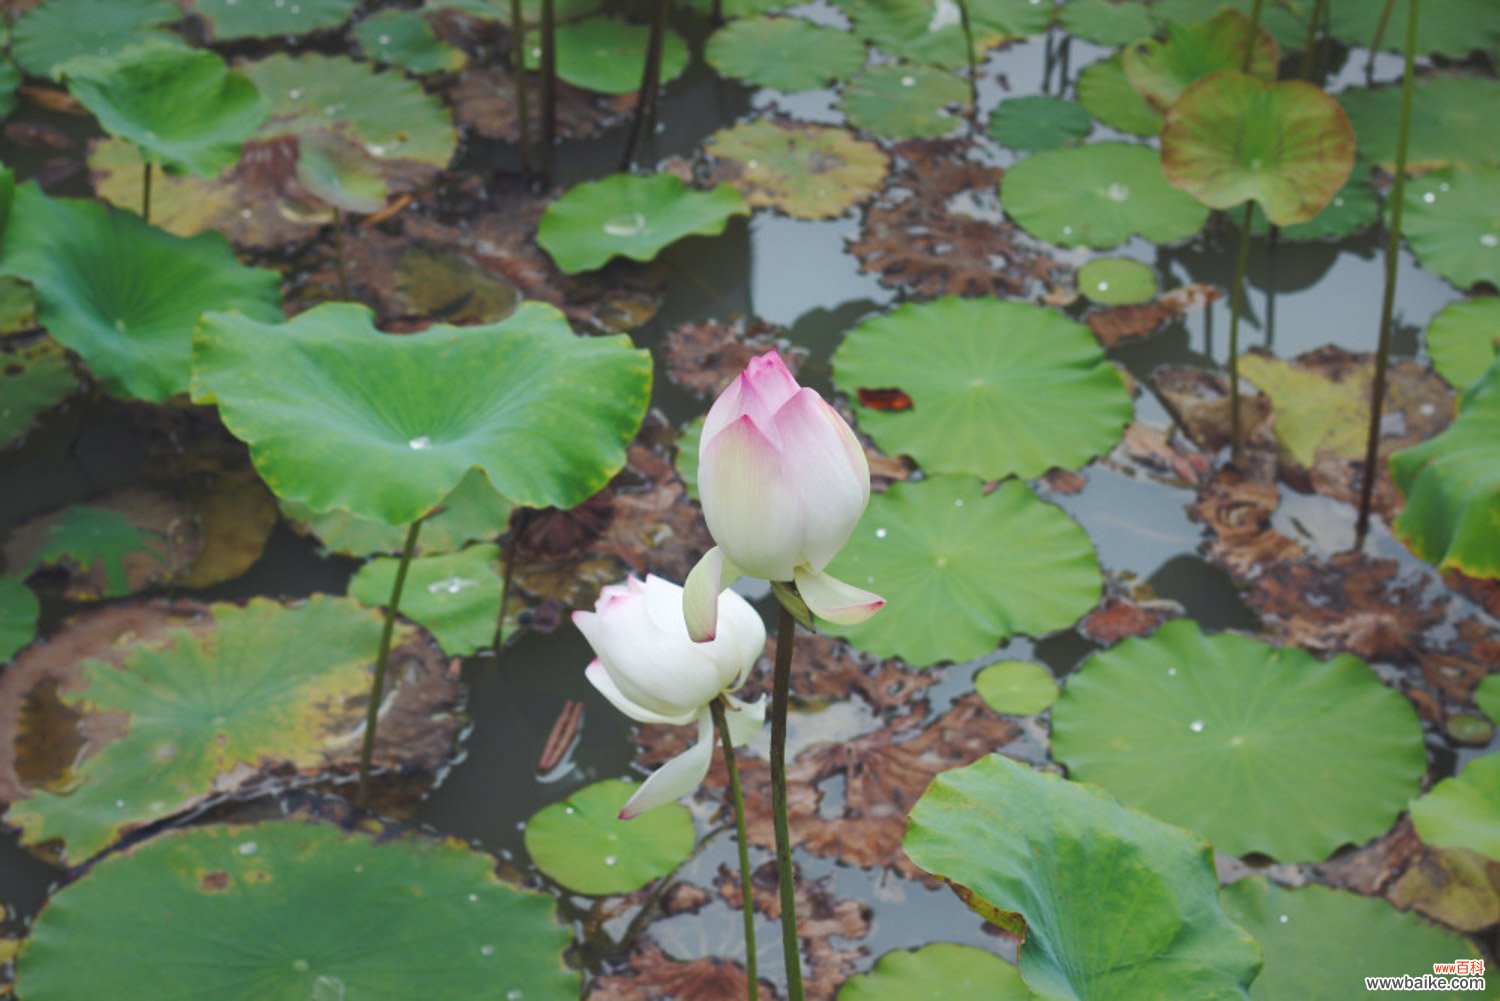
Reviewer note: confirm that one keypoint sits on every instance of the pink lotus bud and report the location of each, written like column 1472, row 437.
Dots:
column 783, row 482
column 648, row 668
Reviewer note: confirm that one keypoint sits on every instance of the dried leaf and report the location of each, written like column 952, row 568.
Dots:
column 704, row 358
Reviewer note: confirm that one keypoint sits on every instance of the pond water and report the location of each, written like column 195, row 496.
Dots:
column 799, row 275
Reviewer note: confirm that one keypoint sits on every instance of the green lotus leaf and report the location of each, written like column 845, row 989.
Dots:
column 1258, row 748
column 473, row 511
column 1322, row 943
column 234, row 19
column 934, row 971
column 1231, row 138
column 1283, row 20
column 202, row 709
column 1117, row 281
column 183, row 108
column 1450, row 118
column 1463, row 338
column 1315, row 415
column 123, row 294
column 1162, row 70
column 732, row 8
column 1353, row 209
column 1098, row 195
column 10, row 79
column 290, row 910
column 1452, row 223
column 35, row 376
column 119, row 544
column 340, row 173
column 389, row 114
column 807, row 171
column 607, row 54
column 1039, row 122
column 1059, row 855
column 1107, row 22
column 1463, row 811
column 1108, row 96
column 456, row 597
column 405, row 38
column 931, row 31
column 784, row 53
column 905, row 102
column 962, row 570
column 18, row 615
column 340, row 415
column 624, row 215
column 51, row 33
column 978, row 373
column 1452, row 487
column 1487, row 696
column 1452, row 28
column 1016, row 687
column 583, row 844
column 687, row 455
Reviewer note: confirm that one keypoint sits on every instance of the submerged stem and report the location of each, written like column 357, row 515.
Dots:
column 338, row 254
column 377, row 684
column 963, row 18
column 752, row 991
column 1380, row 26
column 1237, row 306
column 523, row 516
column 650, row 89
column 146, row 192
column 1309, row 68
column 1388, row 298
column 781, row 686
column 549, row 82
column 518, row 61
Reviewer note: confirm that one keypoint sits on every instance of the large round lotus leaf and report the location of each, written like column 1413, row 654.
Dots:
column 1099, row 195
column 1258, row 749
column 1059, row 855
column 471, row 512
column 1452, row 487
column 1108, row 96
column 807, row 171
column 1463, row 339
column 624, row 215
column 1107, row 22
column 962, row 570
column 387, row 113
column 1161, row 70
column 1450, row 122
column 905, row 102
column 583, row 844
column 1463, row 811
column 1452, row 222
column 1230, row 138
column 1322, row 943
column 1353, row 209
column 51, row 33
column 124, row 295
column 1039, row 122
column 1117, row 281
column 268, row 19
column 405, row 38
column 607, row 54
column 1451, row 28
column 931, row 31
column 18, row 613
column 289, row 910
column 264, row 684
column 456, row 597
column 784, row 53
column 340, row 415
column 936, row 971
column 1016, row 687
column 997, row 388
column 181, row 107
column 35, row 376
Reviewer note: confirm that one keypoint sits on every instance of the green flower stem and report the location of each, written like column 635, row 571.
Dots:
column 1387, row 303
column 1313, row 43
column 338, row 254
column 1380, row 26
column 963, row 17
column 645, row 104
column 377, row 685
column 522, row 518
column 518, row 67
column 146, row 192
column 752, row 990
column 1237, row 306
column 1249, row 55
column 781, row 686
column 549, row 80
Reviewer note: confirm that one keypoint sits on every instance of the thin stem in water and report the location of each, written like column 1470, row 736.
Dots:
column 146, row 192
column 752, row 991
column 646, row 96
column 1237, row 306
column 518, row 67
column 1380, row 26
column 338, row 253
column 377, row 684
column 522, row 518
column 1249, row 55
column 781, row 687
column 963, row 18
column 1388, row 299
column 1310, row 46
column 549, row 82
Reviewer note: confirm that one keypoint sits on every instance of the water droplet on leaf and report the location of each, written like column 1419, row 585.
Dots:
column 626, row 224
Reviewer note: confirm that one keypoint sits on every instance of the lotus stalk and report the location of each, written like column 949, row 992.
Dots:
column 146, row 192
column 338, row 253
column 1317, row 26
column 973, row 60
column 650, row 89
column 1237, row 290
column 382, row 657
column 549, row 81
column 737, row 797
column 1388, row 298
column 518, row 67
column 1379, row 37
column 521, row 519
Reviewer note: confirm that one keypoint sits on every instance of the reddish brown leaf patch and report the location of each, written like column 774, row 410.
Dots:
column 1163, row 453
column 890, row 398
column 704, row 358
column 484, row 102
column 654, row 976
column 1117, row 617
column 1123, row 323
